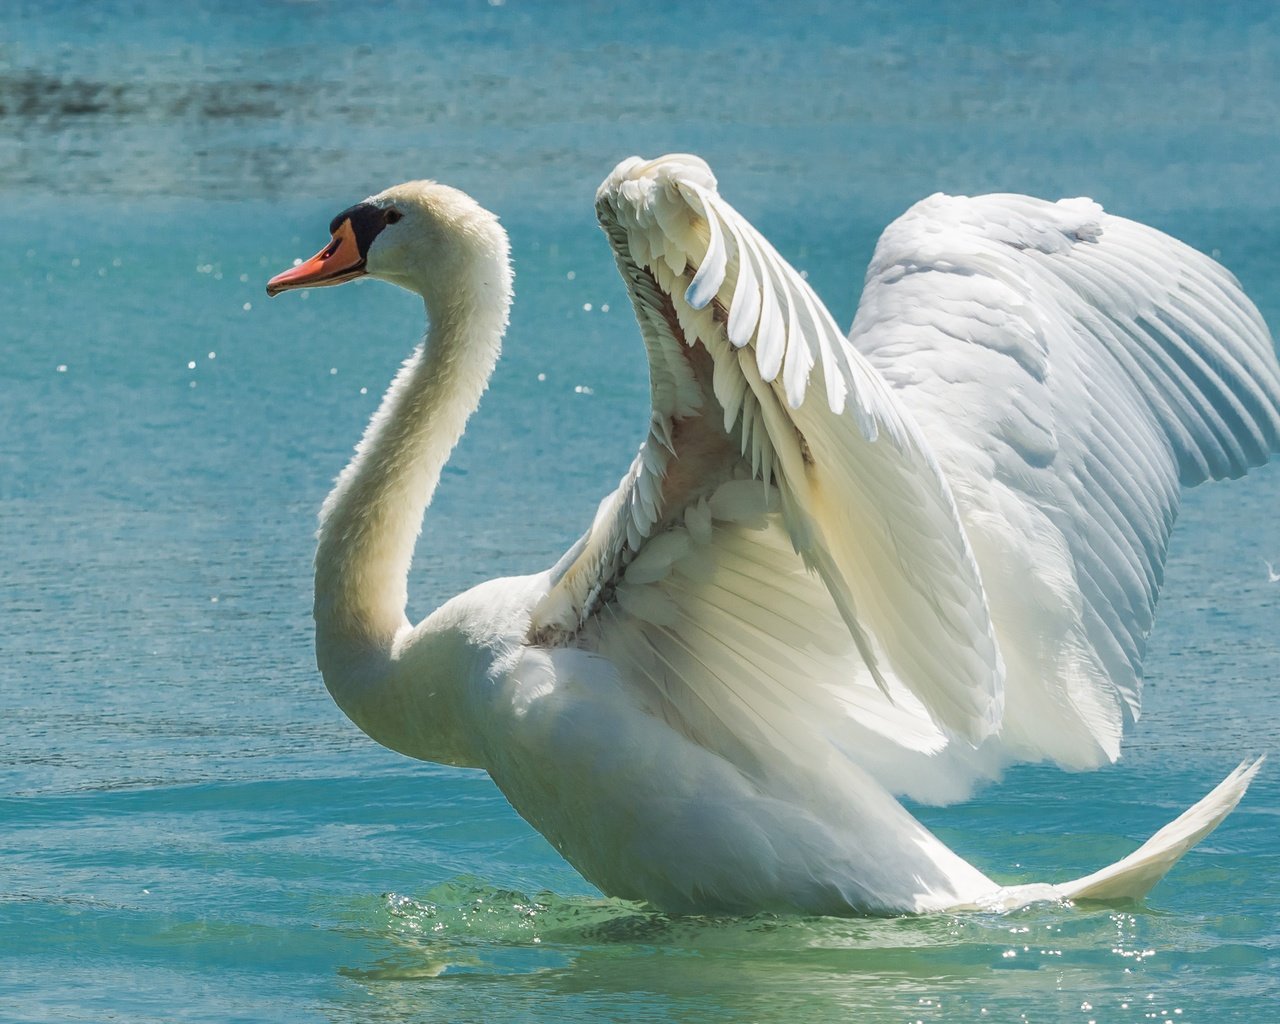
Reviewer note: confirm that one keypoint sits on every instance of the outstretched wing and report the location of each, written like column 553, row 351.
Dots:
column 784, row 552
column 1068, row 369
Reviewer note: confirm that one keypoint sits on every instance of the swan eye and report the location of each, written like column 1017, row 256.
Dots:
column 392, row 216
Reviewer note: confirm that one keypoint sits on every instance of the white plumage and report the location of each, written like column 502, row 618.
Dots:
column 837, row 569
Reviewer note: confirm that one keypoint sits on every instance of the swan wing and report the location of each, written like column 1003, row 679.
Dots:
column 785, row 556
column 1070, row 370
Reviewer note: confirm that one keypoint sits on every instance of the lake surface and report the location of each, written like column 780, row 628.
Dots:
column 189, row 828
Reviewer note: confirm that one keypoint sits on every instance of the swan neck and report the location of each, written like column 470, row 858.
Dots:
column 370, row 522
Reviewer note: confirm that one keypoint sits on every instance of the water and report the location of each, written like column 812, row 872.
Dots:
column 190, row 830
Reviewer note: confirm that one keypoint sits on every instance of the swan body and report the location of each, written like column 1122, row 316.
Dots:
column 839, row 569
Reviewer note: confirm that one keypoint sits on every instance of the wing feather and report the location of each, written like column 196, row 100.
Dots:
column 950, row 525
column 1069, row 368
column 866, row 512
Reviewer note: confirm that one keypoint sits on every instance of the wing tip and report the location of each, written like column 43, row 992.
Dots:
column 668, row 171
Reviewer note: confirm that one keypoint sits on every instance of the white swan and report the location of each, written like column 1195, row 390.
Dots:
column 836, row 569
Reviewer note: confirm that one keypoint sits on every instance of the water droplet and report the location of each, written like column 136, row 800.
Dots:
column 542, row 376
column 571, row 275
column 364, row 391
column 248, row 306
column 333, row 371
column 586, row 307
column 62, row 367
column 191, row 365
column 213, row 355
column 604, row 307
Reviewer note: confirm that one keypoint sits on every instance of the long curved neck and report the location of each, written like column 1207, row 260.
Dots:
column 371, row 519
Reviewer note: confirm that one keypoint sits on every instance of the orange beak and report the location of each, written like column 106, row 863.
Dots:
column 338, row 261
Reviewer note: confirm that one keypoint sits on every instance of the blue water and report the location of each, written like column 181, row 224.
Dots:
column 190, row 830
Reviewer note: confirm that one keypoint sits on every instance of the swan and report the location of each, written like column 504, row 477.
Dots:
column 839, row 570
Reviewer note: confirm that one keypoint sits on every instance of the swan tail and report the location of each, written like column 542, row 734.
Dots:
column 1132, row 877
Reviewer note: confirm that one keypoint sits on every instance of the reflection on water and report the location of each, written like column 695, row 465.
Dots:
column 467, row 948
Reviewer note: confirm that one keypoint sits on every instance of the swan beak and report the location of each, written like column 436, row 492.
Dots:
column 340, row 260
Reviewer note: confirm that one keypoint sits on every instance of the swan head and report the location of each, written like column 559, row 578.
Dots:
column 421, row 235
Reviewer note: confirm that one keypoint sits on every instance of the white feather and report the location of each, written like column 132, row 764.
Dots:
column 1065, row 381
